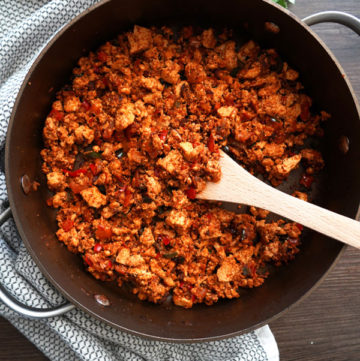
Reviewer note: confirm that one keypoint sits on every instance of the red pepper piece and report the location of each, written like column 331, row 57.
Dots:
column 98, row 248
column 95, row 109
column 103, row 232
column 109, row 264
column 165, row 240
column 252, row 269
column 91, row 121
column 88, row 261
column 93, row 168
column 193, row 298
column 75, row 173
column 307, row 180
column 191, row 193
column 211, row 143
column 209, row 216
column 157, row 255
column 67, row 225
column 56, row 114
column 300, row 226
column 86, row 105
column 128, row 197
column 163, row 135
column 102, row 56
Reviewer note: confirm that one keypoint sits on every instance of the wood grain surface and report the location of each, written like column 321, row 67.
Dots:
column 325, row 326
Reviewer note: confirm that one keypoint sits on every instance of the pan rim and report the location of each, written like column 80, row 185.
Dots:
column 50, row 277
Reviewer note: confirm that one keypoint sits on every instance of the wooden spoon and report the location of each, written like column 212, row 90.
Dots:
column 239, row 186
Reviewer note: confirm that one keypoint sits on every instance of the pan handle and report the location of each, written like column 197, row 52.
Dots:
column 18, row 307
column 339, row 17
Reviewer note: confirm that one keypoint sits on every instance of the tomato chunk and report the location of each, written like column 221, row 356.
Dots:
column 191, row 193
column 67, row 225
column 103, row 232
column 211, row 143
column 98, row 248
column 56, row 114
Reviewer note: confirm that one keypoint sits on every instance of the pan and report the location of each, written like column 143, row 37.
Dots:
column 337, row 190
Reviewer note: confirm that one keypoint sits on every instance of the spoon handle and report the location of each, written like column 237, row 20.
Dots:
column 239, row 186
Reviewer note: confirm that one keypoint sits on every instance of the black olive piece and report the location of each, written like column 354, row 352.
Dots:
column 182, row 75
column 179, row 259
column 102, row 189
column 147, row 199
column 283, row 237
column 162, row 209
column 235, row 71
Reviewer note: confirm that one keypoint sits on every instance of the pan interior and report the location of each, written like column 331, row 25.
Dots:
column 337, row 189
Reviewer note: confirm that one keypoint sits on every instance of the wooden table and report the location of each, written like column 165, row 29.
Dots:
column 326, row 326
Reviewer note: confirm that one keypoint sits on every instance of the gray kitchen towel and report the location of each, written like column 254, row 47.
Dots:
column 25, row 27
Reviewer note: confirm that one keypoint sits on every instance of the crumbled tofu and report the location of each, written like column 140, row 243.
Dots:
column 71, row 104
column 125, row 116
column 227, row 111
column 147, row 237
column 84, row 134
column 59, row 199
column 179, row 199
column 153, row 186
column 93, row 197
column 140, row 39
column 151, row 84
column 135, row 260
column 228, row 270
column 56, row 181
column 194, row 72
column 288, row 164
column 208, row 39
column 245, row 255
column 300, row 195
column 171, row 72
column 135, row 156
column 123, row 256
column 179, row 220
column 182, row 301
column 171, row 162
column 188, row 150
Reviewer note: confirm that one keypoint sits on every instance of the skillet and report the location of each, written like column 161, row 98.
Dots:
column 337, row 189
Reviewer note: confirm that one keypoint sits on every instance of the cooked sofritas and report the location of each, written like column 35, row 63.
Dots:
column 136, row 135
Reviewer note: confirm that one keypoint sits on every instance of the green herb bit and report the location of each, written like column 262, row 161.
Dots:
column 92, row 155
column 170, row 255
column 284, row 3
